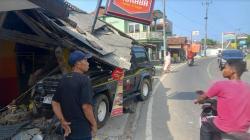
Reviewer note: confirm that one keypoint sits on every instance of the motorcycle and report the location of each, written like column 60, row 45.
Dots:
column 209, row 110
column 190, row 62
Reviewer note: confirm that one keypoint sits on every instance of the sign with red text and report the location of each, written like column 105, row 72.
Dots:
column 136, row 10
column 117, row 109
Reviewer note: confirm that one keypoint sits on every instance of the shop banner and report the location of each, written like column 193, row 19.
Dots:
column 135, row 10
column 195, row 33
column 117, row 109
column 229, row 36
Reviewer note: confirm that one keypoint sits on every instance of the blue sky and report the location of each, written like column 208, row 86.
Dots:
column 188, row 15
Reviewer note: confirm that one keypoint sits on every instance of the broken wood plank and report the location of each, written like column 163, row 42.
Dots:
column 2, row 18
column 27, row 20
column 26, row 39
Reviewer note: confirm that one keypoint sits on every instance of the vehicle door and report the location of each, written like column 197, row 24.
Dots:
column 129, row 79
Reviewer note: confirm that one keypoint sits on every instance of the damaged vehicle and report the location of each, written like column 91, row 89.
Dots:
column 35, row 45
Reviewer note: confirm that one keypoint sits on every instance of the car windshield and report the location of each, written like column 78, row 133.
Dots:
column 232, row 54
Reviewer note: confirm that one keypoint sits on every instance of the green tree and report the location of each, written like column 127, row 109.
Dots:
column 210, row 42
column 248, row 40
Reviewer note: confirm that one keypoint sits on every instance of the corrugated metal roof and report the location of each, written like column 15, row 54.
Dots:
column 115, row 48
column 106, row 41
column 92, row 41
column 84, row 21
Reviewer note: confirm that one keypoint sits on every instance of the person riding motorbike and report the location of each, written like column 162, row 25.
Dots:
column 190, row 55
column 233, row 105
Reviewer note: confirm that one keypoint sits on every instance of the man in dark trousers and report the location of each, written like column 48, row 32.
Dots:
column 72, row 102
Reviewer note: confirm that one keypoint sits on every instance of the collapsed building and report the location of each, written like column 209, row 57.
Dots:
column 35, row 42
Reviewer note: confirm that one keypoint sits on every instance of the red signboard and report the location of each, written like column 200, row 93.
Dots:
column 132, row 6
column 135, row 10
column 117, row 109
column 118, row 74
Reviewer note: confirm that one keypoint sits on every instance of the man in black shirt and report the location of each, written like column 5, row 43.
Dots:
column 72, row 102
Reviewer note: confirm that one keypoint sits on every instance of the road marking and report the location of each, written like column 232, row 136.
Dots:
column 150, row 106
column 208, row 71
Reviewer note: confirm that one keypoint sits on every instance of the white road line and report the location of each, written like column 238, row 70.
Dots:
column 208, row 71
column 150, row 106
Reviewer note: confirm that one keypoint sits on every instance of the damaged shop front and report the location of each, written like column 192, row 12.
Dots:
column 34, row 45
column 176, row 46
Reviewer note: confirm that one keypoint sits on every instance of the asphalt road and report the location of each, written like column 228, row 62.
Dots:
column 170, row 113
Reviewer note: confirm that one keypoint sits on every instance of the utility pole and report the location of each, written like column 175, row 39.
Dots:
column 191, row 37
column 96, row 15
column 236, row 32
column 222, row 40
column 164, row 28
column 206, row 3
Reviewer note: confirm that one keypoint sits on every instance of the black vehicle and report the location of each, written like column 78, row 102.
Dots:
column 232, row 54
column 137, row 83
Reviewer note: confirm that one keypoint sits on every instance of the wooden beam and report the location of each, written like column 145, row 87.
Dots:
column 2, row 18
column 26, row 38
column 28, row 20
column 57, row 7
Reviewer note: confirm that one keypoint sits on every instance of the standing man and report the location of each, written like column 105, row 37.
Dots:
column 167, row 62
column 72, row 102
column 233, row 105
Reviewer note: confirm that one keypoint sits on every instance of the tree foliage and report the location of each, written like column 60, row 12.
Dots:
column 210, row 42
column 248, row 40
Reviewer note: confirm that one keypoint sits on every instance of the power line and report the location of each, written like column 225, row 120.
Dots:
column 221, row 19
column 189, row 19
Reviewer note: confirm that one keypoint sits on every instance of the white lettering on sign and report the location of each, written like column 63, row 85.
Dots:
column 138, row 2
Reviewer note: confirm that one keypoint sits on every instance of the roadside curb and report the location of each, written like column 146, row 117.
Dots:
column 132, row 122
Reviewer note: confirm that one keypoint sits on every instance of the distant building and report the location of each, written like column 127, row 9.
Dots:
column 151, row 36
column 176, row 46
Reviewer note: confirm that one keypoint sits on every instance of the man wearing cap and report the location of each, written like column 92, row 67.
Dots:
column 72, row 102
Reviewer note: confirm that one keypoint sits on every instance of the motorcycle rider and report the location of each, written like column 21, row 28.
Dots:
column 190, row 54
column 233, row 105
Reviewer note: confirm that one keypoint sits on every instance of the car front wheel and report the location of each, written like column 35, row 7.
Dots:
column 101, row 110
column 145, row 90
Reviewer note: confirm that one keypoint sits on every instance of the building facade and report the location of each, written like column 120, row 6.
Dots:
column 151, row 36
column 176, row 46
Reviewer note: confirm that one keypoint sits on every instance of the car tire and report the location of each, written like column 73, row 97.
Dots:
column 101, row 110
column 145, row 90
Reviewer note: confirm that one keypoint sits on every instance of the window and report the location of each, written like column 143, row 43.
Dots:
column 145, row 28
column 134, row 27
column 137, row 28
column 131, row 28
column 140, row 57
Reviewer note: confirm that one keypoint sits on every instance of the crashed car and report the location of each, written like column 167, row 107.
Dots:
column 230, row 54
column 34, row 49
column 137, row 83
column 37, row 112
